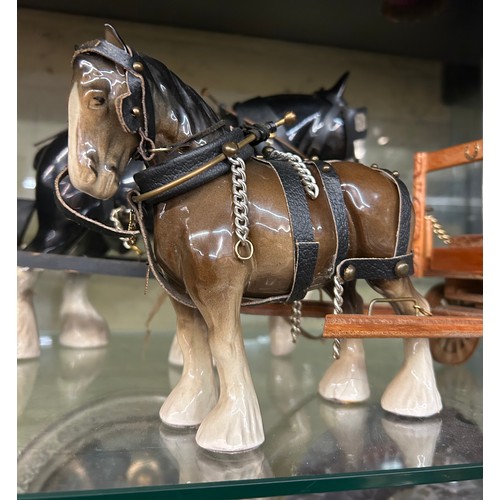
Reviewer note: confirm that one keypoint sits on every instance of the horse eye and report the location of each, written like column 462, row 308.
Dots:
column 97, row 101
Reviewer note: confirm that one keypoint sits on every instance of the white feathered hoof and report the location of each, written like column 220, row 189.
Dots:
column 346, row 380
column 232, row 427
column 413, row 391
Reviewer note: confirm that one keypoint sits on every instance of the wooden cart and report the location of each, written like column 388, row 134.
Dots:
column 456, row 324
column 459, row 261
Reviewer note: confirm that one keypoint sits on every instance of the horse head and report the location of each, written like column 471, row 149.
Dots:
column 99, row 139
column 326, row 126
column 340, row 130
column 115, row 97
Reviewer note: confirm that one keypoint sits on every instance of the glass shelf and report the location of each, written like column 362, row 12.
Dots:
column 88, row 424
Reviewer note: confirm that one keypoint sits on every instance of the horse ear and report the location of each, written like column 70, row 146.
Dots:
column 337, row 91
column 112, row 36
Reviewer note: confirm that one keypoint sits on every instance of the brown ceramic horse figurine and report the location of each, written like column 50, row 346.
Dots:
column 122, row 103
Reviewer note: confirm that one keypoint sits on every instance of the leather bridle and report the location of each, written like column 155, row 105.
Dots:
column 134, row 108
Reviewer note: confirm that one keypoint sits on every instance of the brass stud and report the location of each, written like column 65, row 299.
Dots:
column 374, row 165
column 315, row 158
column 402, row 269
column 230, row 149
column 326, row 168
column 395, row 173
column 289, row 118
column 136, row 112
column 267, row 150
column 349, row 273
column 138, row 66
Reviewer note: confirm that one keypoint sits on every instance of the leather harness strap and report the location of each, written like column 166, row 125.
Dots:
column 81, row 219
column 178, row 166
column 333, row 190
column 305, row 248
column 138, row 78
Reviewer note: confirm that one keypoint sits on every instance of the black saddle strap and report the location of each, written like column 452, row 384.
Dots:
column 378, row 268
column 333, row 189
column 405, row 208
column 305, row 248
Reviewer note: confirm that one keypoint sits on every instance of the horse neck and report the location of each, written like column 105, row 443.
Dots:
column 180, row 114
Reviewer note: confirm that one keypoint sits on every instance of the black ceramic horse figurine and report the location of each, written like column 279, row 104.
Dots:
column 81, row 324
column 231, row 228
column 326, row 126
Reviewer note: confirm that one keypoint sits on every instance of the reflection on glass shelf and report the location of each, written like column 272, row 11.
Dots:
column 88, row 420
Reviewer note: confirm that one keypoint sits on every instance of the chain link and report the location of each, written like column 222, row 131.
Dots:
column 338, row 290
column 307, row 179
column 296, row 320
column 130, row 242
column 438, row 229
column 240, row 207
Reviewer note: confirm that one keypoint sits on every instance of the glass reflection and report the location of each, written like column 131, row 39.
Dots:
column 105, row 436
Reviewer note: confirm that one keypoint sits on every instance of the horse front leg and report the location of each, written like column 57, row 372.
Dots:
column 235, row 423
column 82, row 326
column 413, row 392
column 195, row 394
column 28, row 343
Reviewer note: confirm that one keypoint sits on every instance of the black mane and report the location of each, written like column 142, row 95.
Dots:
column 183, row 99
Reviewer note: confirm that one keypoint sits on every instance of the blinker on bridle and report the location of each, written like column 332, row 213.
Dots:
column 135, row 110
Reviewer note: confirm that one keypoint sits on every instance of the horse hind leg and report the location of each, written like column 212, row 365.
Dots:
column 413, row 391
column 346, row 380
column 82, row 326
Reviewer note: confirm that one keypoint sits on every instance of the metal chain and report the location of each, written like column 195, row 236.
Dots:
column 338, row 290
column 240, row 207
column 130, row 243
column 307, row 179
column 296, row 320
column 438, row 230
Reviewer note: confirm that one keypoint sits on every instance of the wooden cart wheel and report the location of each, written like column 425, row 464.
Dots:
column 449, row 351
